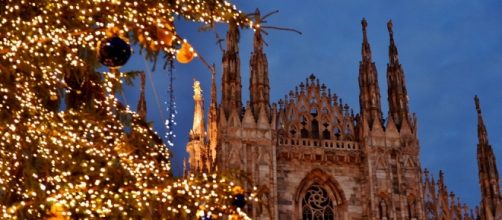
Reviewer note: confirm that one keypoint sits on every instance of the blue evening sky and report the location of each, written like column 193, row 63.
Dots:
column 450, row 50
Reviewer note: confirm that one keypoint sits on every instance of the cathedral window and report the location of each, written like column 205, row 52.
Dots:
column 412, row 209
column 326, row 134
column 315, row 129
column 316, row 204
column 382, row 210
column 304, row 132
column 347, row 130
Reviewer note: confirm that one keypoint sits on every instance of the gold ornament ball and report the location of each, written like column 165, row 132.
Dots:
column 185, row 54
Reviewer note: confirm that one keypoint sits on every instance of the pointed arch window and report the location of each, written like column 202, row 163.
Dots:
column 382, row 210
column 348, row 130
column 315, row 128
column 325, row 133
column 412, row 208
column 316, row 204
column 304, row 132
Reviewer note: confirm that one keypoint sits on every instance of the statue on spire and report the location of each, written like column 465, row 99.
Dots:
column 366, row 50
column 197, row 145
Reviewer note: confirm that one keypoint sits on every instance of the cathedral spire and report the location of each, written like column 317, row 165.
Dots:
column 212, row 126
column 397, row 94
column 231, row 79
column 259, row 87
column 196, row 146
column 491, row 200
column 369, row 96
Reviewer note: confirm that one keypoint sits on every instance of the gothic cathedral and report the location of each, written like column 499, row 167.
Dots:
column 313, row 158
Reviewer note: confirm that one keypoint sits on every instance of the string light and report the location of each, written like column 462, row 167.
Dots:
column 171, row 110
column 90, row 156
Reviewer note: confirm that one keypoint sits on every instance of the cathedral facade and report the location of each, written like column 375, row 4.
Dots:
column 312, row 157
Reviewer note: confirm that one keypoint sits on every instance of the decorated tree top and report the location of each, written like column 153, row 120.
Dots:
column 68, row 147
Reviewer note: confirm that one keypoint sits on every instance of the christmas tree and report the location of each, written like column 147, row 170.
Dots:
column 68, row 147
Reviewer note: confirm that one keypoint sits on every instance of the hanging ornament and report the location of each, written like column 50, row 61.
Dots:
column 113, row 52
column 239, row 201
column 185, row 54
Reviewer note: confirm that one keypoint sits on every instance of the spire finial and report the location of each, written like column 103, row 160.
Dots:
column 391, row 33
column 364, row 23
column 476, row 101
column 389, row 27
column 441, row 177
column 392, row 47
column 366, row 50
column 482, row 133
